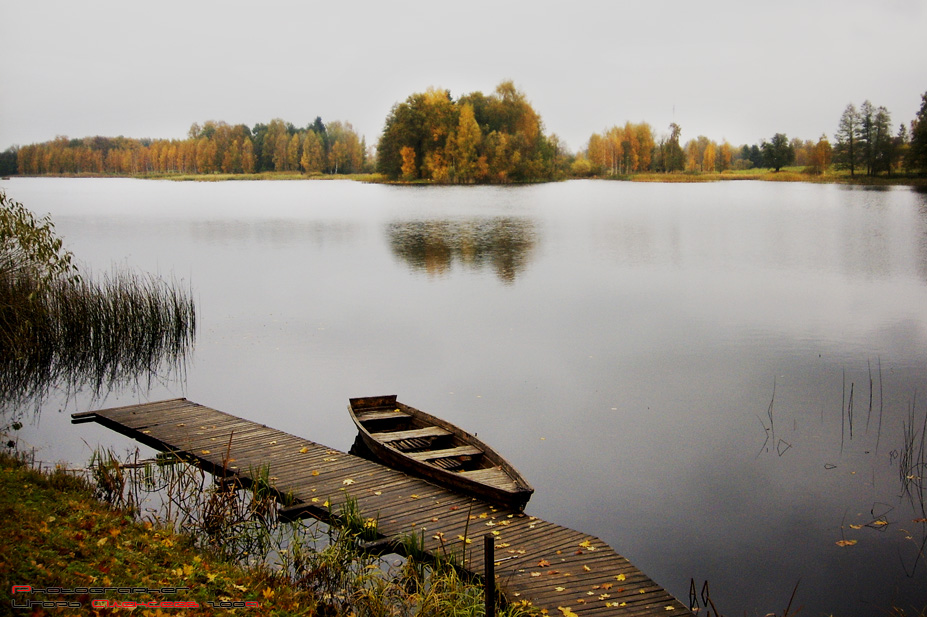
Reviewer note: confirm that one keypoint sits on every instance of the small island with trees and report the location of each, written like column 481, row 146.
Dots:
column 488, row 139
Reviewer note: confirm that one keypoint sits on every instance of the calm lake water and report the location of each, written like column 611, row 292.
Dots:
column 713, row 378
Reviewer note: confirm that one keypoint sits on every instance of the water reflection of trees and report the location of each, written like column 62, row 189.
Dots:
column 504, row 244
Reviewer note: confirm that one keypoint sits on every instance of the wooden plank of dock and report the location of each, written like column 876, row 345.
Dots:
column 551, row 566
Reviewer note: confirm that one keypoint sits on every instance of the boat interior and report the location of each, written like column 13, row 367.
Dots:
column 420, row 440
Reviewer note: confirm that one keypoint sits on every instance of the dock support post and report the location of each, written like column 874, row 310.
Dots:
column 489, row 574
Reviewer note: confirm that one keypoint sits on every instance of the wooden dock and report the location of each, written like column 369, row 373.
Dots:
column 548, row 565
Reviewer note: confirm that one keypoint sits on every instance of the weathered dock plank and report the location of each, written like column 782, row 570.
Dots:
column 546, row 564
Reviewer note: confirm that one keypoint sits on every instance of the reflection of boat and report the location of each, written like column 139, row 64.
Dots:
column 410, row 440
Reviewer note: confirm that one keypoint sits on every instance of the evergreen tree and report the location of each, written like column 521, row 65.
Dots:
column 917, row 149
column 846, row 150
column 883, row 143
column 8, row 162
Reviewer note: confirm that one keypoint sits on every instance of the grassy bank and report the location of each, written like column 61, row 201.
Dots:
column 787, row 174
column 56, row 533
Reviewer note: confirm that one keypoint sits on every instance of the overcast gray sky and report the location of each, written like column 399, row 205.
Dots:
column 735, row 70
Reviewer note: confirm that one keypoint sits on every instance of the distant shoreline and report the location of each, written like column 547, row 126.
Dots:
column 786, row 175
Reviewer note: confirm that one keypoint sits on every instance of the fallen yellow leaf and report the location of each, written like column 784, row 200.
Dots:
column 348, row 482
column 846, row 542
column 204, row 451
column 303, row 450
column 566, row 611
column 620, row 577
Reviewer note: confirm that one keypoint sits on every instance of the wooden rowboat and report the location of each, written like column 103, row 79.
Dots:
column 418, row 443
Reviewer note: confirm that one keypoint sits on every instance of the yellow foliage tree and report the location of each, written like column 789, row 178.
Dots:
column 464, row 144
column 408, row 163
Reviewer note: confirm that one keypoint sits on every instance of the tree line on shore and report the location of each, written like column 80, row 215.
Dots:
column 214, row 147
column 477, row 138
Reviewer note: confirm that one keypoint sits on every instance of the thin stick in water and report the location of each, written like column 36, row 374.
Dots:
column 879, row 435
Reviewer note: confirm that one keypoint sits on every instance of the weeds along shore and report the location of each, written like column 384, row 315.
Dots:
column 170, row 533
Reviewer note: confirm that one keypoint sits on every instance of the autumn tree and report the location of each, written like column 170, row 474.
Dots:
column 409, row 169
column 725, row 156
column 693, row 157
column 248, row 160
column 709, row 156
column 313, row 156
column 231, row 160
column 820, row 156
column 646, row 144
column 595, row 153
column 494, row 138
column 464, row 144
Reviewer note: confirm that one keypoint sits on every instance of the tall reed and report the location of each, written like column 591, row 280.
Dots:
column 76, row 333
